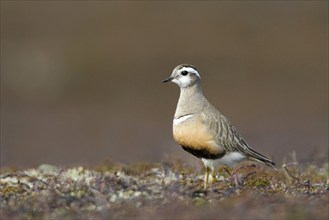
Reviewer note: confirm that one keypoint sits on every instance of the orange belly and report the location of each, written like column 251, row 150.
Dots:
column 196, row 136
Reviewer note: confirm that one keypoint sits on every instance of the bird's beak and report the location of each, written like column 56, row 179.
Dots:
column 168, row 80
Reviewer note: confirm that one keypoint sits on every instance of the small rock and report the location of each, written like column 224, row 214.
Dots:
column 48, row 169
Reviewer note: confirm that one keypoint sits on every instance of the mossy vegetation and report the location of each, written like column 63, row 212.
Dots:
column 169, row 189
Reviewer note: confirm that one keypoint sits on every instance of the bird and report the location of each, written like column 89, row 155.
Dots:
column 203, row 131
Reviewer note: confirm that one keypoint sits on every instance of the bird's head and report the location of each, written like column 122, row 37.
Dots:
column 184, row 76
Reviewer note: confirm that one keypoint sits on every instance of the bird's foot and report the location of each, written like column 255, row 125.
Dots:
column 213, row 178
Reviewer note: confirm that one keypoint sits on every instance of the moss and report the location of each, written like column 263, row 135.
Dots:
column 259, row 181
column 140, row 168
column 7, row 191
column 169, row 189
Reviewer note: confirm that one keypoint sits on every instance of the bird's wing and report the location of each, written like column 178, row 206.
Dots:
column 228, row 137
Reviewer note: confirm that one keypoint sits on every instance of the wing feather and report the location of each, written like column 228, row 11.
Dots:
column 228, row 138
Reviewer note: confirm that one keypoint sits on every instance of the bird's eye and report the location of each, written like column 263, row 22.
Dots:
column 184, row 73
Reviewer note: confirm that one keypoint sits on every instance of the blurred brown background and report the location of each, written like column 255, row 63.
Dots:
column 80, row 80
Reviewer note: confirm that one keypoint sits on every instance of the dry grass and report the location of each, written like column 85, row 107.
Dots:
column 166, row 190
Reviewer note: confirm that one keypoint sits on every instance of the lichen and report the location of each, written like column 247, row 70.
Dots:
column 169, row 189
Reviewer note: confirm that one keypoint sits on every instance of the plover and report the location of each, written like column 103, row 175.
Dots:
column 202, row 130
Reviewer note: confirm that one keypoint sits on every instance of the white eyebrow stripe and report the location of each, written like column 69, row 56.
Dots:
column 181, row 119
column 191, row 70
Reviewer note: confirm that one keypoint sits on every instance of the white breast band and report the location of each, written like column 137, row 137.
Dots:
column 181, row 119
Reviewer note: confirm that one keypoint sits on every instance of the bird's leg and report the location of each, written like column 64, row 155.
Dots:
column 206, row 177
column 213, row 176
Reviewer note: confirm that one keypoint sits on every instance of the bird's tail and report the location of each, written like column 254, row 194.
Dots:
column 253, row 155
